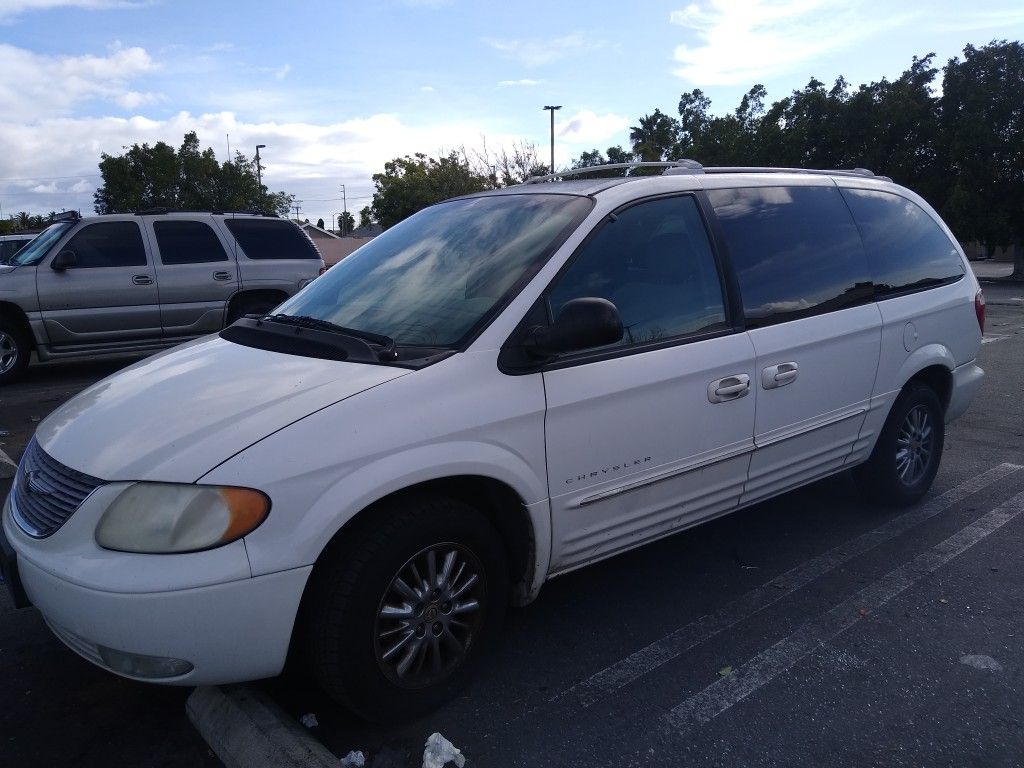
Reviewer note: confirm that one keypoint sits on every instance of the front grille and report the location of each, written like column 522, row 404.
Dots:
column 46, row 493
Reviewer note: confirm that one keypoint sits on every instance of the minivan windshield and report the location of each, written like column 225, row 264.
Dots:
column 35, row 250
column 435, row 277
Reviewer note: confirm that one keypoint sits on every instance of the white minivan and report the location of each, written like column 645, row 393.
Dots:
column 500, row 389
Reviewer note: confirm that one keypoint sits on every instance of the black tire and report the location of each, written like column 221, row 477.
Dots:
column 15, row 351
column 250, row 306
column 885, row 477
column 354, row 581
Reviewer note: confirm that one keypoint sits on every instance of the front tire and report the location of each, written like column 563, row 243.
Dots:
column 397, row 615
column 15, row 351
column 906, row 457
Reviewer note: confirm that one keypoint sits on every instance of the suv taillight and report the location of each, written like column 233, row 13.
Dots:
column 979, row 308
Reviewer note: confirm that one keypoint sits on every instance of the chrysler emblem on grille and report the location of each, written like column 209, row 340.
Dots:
column 34, row 486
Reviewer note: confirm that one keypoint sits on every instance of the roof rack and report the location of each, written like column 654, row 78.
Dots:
column 160, row 211
column 685, row 167
column 67, row 216
column 673, row 166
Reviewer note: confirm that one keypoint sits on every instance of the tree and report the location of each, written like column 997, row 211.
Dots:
column 655, row 136
column 346, row 223
column 159, row 177
column 365, row 218
column 320, row 223
column 411, row 183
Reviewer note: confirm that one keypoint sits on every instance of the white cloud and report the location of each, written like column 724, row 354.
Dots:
column 514, row 83
column 745, row 41
column 132, row 100
column 10, row 8
column 282, row 73
column 427, row 88
column 36, row 86
column 537, row 52
column 589, row 128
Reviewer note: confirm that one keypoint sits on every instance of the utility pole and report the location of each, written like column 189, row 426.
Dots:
column 552, row 110
column 344, row 207
column 297, row 209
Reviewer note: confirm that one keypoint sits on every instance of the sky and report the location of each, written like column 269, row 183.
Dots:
column 336, row 89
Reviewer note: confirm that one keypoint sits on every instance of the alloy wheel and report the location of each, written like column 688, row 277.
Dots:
column 915, row 444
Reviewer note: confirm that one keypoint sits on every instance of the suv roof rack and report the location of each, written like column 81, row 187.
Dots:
column 160, row 211
column 67, row 216
column 686, row 166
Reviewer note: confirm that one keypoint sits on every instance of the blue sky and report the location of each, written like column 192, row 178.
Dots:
column 336, row 89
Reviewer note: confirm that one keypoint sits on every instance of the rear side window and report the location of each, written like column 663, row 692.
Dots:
column 187, row 242
column 267, row 239
column 906, row 248
column 796, row 251
column 109, row 244
column 653, row 261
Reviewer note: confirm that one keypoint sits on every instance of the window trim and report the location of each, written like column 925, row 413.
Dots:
column 510, row 358
column 816, row 311
column 213, row 231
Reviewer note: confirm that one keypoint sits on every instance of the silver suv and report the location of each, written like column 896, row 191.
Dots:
column 131, row 283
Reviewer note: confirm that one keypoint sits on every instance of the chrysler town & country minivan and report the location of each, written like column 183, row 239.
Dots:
column 496, row 391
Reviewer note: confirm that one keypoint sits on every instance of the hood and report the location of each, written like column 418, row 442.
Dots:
column 175, row 416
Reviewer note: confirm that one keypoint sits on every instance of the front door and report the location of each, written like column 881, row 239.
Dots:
column 108, row 297
column 653, row 433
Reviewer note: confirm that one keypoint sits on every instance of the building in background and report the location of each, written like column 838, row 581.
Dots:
column 334, row 248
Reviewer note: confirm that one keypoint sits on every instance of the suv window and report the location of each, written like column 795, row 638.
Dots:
column 187, row 242
column 654, row 262
column 796, row 251
column 108, row 244
column 268, row 239
column 906, row 248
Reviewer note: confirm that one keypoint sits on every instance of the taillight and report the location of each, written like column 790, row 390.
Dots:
column 979, row 308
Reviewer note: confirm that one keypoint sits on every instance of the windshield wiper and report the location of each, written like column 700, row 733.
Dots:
column 386, row 343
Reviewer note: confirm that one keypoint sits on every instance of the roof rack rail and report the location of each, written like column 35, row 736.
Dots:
column 811, row 171
column 160, row 211
column 671, row 167
column 67, row 216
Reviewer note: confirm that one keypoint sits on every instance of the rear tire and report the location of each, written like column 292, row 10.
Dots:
column 382, row 637
column 15, row 351
column 906, row 457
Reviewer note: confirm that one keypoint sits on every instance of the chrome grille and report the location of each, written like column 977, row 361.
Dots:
column 46, row 493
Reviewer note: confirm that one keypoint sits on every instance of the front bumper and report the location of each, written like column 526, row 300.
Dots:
column 9, row 572
column 228, row 633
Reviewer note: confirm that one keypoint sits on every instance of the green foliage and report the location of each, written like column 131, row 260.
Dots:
column 320, row 223
column 346, row 223
column 25, row 222
column 411, row 183
column 159, row 177
column 365, row 217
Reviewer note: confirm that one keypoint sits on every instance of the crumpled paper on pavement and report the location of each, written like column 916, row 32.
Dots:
column 438, row 752
column 354, row 759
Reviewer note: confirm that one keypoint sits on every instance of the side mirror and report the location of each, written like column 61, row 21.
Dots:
column 63, row 260
column 581, row 324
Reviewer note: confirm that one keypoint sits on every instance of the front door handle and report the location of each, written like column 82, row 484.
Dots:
column 775, row 376
column 221, row 275
column 730, row 388
column 142, row 279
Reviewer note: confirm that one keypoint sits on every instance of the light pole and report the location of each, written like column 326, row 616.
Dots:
column 344, row 208
column 552, row 110
column 259, row 171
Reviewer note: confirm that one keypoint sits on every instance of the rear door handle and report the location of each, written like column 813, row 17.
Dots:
column 730, row 388
column 221, row 275
column 142, row 279
column 775, row 376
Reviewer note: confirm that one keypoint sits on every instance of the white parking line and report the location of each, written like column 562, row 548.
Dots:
column 769, row 664
column 646, row 660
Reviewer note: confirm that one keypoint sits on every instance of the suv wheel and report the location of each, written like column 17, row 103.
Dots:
column 907, row 455
column 395, row 618
column 15, row 351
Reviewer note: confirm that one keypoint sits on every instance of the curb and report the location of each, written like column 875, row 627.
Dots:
column 998, row 281
column 245, row 729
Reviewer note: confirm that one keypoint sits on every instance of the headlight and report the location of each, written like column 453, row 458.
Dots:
column 164, row 518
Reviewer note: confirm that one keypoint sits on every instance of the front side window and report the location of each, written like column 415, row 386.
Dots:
column 187, row 242
column 38, row 247
column 796, row 251
column 654, row 262
column 431, row 279
column 108, row 244
column 906, row 248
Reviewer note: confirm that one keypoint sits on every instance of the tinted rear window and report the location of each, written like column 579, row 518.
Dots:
column 796, row 251
column 108, row 244
column 906, row 248
column 266, row 239
column 187, row 242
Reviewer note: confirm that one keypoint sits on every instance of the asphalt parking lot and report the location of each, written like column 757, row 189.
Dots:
column 812, row 629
